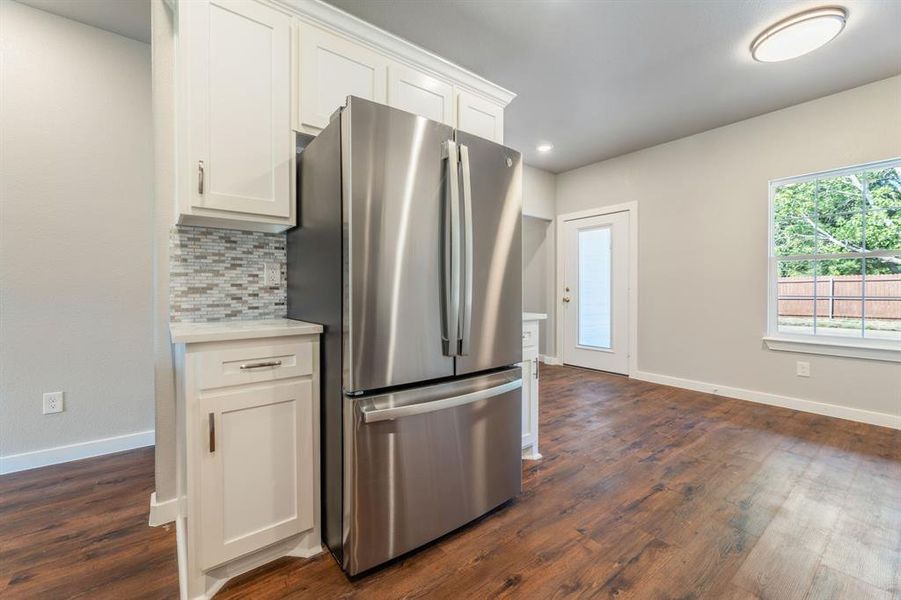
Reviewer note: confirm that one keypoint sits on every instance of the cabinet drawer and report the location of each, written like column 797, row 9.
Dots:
column 530, row 335
column 252, row 364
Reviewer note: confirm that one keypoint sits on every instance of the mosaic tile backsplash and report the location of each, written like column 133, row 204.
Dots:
column 217, row 275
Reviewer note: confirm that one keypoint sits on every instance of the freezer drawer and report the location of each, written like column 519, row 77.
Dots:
column 422, row 462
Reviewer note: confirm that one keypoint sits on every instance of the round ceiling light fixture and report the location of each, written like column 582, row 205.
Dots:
column 545, row 147
column 799, row 34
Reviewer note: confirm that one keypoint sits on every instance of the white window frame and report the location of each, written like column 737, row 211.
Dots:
column 884, row 350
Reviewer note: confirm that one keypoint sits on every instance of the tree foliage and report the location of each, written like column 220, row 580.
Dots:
column 852, row 213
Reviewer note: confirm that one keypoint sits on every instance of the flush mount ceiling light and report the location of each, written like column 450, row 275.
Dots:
column 545, row 147
column 799, row 34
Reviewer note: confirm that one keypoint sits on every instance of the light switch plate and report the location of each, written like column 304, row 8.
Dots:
column 53, row 402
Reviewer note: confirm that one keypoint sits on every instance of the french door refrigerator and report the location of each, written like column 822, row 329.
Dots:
column 408, row 252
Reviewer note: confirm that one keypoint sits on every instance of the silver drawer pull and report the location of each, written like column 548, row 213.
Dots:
column 260, row 365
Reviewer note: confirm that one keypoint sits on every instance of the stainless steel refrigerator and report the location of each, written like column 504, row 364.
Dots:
column 408, row 251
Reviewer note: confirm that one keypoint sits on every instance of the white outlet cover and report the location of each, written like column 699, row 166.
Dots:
column 272, row 274
column 802, row 368
column 54, row 402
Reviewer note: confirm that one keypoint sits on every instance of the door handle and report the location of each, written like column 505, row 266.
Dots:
column 396, row 412
column 467, row 251
column 566, row 298
column 200, row 177
column 451, row 251
column 212, row 421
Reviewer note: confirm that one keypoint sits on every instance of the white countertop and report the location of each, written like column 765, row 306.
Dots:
column 220, row 331
column 533, row 316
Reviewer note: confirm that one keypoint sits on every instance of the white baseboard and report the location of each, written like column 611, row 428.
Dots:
column 162, row 512
column 550, row 360
column 62, row 454
column 809, row 406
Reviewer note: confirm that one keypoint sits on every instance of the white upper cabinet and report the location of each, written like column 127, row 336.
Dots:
column 240, row 150
column 331, row 69
column 480, row 117
column 420, row 94
column 249, row 73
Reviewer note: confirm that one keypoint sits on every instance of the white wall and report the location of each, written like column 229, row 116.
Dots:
column 76, row 187
column 703, row 242
column 539, row 189
column 163, row 76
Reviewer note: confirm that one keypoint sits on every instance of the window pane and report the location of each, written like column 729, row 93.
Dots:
column 839, row 303
column 840, row 232
column 795, row 299
column 793, row 235
column 594, row 287
column 883, row 229
column 882, row 315
column 795, row 200
column 883, row 188
column 839, row 195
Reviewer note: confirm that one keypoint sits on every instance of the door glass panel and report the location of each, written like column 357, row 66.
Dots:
column 594, row 287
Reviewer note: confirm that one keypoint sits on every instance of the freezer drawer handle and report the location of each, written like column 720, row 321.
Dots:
column 387, row 414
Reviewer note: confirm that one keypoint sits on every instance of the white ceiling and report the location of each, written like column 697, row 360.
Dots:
column 599, row 79
column 130, row 18
column 602, row 78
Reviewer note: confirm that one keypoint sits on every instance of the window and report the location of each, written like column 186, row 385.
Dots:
column 835, row 262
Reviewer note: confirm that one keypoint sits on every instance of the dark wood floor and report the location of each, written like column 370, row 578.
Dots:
column 645, row 491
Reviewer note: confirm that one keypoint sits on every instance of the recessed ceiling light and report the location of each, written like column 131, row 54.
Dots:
column 545, row 147
column 799, row 34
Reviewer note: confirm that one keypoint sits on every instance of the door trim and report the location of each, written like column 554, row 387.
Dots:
column 561, row 219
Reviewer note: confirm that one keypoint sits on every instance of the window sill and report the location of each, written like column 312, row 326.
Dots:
column 872, row 350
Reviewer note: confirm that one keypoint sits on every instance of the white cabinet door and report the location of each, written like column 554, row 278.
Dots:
column 480, row 117
column 333, row 68
column 255, row 464
column 420, row 94
column 240, row 146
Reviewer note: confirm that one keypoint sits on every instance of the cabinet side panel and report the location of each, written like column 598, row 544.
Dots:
column 314, row 294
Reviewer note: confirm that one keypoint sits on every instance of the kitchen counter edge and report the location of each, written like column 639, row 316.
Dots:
column 221, row 331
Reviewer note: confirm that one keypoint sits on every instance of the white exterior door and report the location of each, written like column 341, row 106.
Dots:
column 240, row 147
column 595, row 301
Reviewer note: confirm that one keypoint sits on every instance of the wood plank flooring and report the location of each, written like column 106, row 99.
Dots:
column 645, row 491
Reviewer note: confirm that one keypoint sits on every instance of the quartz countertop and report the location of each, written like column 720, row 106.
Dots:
column 220, row 331
column 533, row 316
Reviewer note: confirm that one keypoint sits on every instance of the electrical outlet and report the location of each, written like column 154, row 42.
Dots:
column 272, row 274
column 802, row 369
column 53, row 402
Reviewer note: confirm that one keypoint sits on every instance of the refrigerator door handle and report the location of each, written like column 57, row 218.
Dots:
column 371, row 415
column 466, row 317
column 451, row 251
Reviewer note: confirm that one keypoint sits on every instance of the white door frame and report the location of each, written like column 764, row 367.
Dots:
column 632, row 209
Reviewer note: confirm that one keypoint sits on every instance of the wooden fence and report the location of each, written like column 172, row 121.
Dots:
column 840, row 296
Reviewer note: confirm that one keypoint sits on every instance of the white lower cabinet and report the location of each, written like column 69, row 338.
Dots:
column 530, row 372
column 248, row 455
column 255, row 466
